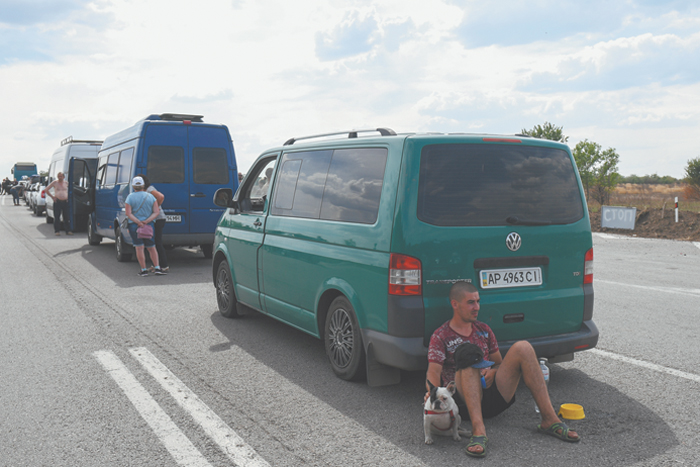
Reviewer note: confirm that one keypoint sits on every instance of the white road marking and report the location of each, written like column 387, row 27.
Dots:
column 647, row 365
column 673, row 290
column 179, row 446
column 697, row 244
column 230, row 443
column 617, row 236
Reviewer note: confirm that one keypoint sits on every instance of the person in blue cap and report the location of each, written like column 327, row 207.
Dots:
column 465, row 350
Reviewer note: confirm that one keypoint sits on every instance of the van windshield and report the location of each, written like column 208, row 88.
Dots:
column 488, row 184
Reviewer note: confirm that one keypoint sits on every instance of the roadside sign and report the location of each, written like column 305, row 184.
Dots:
column 616, row 217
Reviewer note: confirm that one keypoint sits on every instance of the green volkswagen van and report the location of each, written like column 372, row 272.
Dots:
column 356, row 238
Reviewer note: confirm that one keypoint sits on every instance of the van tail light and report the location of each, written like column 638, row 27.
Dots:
column 588, row 268
column 404, row 275
column 43, row 193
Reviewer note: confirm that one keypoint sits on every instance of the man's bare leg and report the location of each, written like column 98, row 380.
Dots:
column 469, row 387
column 521, row 361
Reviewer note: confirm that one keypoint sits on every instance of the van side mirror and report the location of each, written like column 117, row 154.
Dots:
column 224, row 197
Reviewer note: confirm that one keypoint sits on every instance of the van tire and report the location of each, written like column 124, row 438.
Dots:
column 120, row 247
column 343, row 341
column 207, row 250
column 93, row 238
column 225, row 296
column 49, row 219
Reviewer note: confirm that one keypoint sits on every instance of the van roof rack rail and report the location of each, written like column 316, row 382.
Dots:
column 176, row 117
column 351, row 134
column 71, row 140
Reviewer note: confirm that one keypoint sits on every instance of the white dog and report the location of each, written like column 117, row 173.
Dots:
column 441, row 414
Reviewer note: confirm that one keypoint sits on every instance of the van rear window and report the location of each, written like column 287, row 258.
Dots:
column 485, row 184
column 210, row 166
column 166, row 164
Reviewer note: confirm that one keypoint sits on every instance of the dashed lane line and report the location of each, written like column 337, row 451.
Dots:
column 673, row 290
column 240, row 453
column 647, row 365
column 174, row 440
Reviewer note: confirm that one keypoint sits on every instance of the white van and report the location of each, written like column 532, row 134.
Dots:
column 77, row 159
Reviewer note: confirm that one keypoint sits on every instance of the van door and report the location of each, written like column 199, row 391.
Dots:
column 168, row 168
column 210, row 170
column 81, row 193
column 248, row 226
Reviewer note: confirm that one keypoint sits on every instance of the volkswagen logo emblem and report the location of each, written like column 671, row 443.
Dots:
column 513, row 241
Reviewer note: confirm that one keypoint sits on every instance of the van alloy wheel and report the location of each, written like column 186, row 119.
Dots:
column 225, row 296
column 344, row 341
column 120, row 245
column 93, row 238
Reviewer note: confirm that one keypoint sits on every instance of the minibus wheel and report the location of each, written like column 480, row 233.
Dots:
column 93, row 238
column 344, row 341
column 225, row 296
column 120, row 245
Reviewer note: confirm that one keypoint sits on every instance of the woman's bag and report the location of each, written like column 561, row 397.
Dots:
column 145, row 231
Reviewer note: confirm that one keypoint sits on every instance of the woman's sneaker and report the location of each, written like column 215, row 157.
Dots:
column 143, row 273
column 160, row 272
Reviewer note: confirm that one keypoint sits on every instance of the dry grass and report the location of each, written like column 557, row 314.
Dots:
column 646, row 196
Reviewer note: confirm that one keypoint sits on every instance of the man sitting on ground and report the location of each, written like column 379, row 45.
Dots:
column 464, row 349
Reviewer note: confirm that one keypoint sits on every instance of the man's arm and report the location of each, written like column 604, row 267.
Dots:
column 51, row 185
column 433, row 374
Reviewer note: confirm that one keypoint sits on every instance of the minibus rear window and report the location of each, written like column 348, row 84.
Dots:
column 210, row 166
column 166, row 164
column 485, row 184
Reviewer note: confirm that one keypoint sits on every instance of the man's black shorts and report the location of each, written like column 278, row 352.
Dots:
column 492, row 403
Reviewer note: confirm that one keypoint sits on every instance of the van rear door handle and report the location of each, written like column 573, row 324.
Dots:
column 197, row 195
column 257, row 223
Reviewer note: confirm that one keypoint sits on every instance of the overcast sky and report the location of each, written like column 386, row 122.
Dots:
column 625, row 74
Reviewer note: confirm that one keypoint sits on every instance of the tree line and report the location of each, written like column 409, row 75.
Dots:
column 598, row 167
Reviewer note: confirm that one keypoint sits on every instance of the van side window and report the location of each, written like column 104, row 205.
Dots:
column 210, row 166
column 257, row 186
column 342, row 185
column 354, row 185
column 111, row 173
column 124, row 175
column 301, row 189
column 485, row 184
column 166, row 164
column 101, row 170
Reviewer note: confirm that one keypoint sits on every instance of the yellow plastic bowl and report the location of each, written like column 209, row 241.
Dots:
column 571, row 412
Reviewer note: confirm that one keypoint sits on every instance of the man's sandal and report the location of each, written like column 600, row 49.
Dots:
column 477, row 441
column 554, row 430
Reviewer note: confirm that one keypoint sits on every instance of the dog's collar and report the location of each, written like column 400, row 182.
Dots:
column 452, row 418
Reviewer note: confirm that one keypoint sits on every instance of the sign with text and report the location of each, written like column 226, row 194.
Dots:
column 616, row 217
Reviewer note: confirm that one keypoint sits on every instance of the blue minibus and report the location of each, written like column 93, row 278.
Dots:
column 184, row 158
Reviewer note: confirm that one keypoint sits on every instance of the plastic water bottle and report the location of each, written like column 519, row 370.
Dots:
column 545, row 373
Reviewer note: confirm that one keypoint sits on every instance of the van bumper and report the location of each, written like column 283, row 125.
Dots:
column 409, row 353
column 561, row 345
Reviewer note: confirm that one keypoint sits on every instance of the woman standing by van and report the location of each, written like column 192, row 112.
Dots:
column 142, row 209
column 159, row 224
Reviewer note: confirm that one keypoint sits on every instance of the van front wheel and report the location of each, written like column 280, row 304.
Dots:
column 225, row 296
column 344, row 341
column 93, row 238
column 121, row 248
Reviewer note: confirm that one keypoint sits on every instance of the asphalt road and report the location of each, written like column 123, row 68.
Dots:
column 101, row 367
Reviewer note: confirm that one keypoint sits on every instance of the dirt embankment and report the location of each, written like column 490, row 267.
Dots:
column 657, row 223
